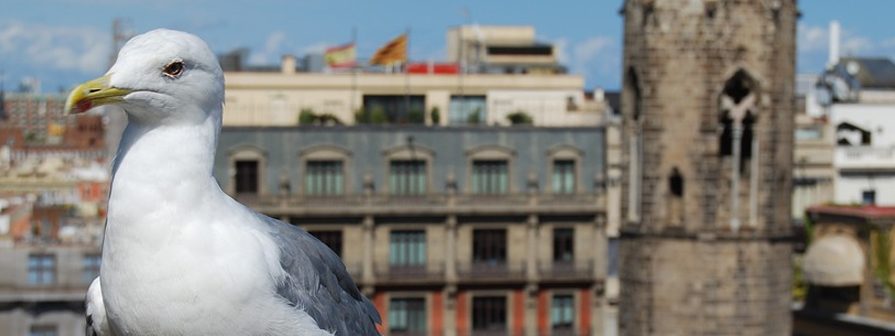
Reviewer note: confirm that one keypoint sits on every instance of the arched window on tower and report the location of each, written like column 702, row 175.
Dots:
column 737, row 105
column 738, row 113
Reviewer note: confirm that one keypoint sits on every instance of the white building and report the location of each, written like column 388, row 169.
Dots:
column 859, row 97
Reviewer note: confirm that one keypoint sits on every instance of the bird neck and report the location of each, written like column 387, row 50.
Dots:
column 162, row 164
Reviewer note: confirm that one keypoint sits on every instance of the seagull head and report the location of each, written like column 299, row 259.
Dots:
column 160, row 77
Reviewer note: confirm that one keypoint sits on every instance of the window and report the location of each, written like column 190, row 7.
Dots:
column 489, row 313
column 407, row 177
column 868, row 197
column 324, row 178
column 332, row 239
column 490, row 177
column 43, row 331
column 562, row 312
column 246, row 176
column 407, row 248
column 467, row 110
column 563, row 245
column 90, row 266
column 676, row 183
column 564, row 176
column 407, row 315
column 394, row 109
column 489, row 246
column 738, row 103
column 41, row 269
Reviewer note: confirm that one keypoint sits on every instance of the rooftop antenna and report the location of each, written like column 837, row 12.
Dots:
column 834, row 44
column 121, row 32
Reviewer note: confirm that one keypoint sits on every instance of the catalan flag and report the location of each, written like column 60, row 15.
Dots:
column 343, row 56
column 393, row 52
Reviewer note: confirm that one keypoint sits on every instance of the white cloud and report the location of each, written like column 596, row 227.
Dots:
column 83, row 49
column 588, row 50
column 812, row 38
column 561, row 45
column 856, row 45
column 273, row 46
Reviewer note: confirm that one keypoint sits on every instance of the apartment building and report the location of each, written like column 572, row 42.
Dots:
column 450, row 230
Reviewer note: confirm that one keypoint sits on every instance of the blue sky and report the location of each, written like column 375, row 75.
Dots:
column 67, row 41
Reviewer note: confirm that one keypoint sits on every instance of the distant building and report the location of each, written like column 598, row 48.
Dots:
column 858, row 95
column 450, row 230
column 39, row 116
column 42, row 288
column 502, row 50
column 813, row 172
column 481, row 95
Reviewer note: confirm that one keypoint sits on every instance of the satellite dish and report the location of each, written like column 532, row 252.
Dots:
column 853, row 68
column 823, row 96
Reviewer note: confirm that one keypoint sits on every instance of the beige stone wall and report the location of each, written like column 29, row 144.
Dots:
column 706, row 288
column 685, row 268
column 352, row 236
column 276, row 99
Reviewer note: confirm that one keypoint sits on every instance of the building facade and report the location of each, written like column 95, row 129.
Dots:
column 496, row 75
column 42, row 288
column 708, row 108
column 858, row 96
column 451, row 231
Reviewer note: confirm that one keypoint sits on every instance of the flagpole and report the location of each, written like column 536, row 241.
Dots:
column 354, row 72
column 407, row 73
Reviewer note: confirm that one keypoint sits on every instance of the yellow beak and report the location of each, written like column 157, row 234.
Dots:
column 91, row 94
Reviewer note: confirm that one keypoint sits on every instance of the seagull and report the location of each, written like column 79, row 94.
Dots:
column 180, row 256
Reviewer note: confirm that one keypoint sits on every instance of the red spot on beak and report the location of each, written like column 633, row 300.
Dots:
column 84, row 105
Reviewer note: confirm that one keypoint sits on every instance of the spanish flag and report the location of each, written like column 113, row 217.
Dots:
column 393, row 52
column 343, row 56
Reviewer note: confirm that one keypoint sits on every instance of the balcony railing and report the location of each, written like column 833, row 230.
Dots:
column 865, row 158
column 492, row 271
column 579, row 270
column 358, row 204
column 410, row 274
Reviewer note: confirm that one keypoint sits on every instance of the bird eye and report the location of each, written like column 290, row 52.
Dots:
column 173, row 69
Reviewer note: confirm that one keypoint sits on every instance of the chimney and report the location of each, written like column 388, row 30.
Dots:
column 834, row 43
column 287, row 66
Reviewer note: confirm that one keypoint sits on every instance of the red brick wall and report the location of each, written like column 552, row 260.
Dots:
column 543, row 312
column 585, row 311
column 437, row 318
column 518, row 312
column 462, row 314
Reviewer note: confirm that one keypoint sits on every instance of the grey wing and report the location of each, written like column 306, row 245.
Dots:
column 317, row 282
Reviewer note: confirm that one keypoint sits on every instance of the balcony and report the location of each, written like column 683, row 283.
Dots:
column 865, row 158
column 572, row 271
column 485, row 272
column 429, row 204
column 410, row 275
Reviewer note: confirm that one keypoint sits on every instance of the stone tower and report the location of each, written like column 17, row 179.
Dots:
column 708, row 108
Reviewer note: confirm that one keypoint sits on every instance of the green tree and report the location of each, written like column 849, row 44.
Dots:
column 361, row 116
column 416, row 117
column 519, row 118
column 307, row 117
column 435, row 114
column 377, row 115
column 329, row 119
